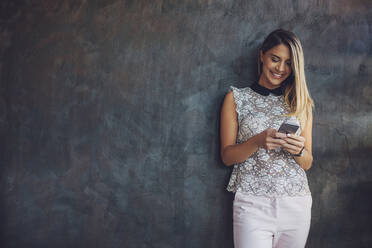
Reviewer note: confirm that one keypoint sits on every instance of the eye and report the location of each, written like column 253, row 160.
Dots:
column 274, row 59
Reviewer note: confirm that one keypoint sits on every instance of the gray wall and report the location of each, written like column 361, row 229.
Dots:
column 109, row 118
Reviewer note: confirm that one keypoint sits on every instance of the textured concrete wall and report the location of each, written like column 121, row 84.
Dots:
column 109, row 118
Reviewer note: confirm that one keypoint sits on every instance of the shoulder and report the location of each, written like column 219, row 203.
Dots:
column 239, row 92
column 235, row 95
column 242, row 89
column 239, row 95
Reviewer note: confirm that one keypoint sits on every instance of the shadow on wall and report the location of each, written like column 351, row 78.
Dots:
column 245, row 66
column 347, row 212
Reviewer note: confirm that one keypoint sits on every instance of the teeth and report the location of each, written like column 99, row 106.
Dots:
column 277, row 75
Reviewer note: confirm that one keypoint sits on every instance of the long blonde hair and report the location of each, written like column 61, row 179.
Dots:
column 296, row 94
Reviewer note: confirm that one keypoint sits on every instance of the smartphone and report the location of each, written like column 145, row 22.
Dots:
column 288, row 128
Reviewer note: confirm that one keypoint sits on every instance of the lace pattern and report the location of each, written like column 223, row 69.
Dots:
column 273, row 173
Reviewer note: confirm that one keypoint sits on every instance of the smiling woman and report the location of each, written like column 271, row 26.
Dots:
column 272, row 204
column 276, row 66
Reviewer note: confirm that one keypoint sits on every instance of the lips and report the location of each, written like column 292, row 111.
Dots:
column 277, row 75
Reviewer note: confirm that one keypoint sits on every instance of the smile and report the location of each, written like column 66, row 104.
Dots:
column 277, row 75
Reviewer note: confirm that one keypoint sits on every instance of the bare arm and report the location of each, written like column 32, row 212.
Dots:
column 232, row 153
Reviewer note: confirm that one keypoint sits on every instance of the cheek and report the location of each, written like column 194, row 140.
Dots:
column 268, row 65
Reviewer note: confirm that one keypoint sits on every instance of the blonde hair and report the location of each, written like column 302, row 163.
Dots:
column 296, row 93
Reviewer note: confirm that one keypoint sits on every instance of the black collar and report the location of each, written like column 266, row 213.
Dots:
column 265, row 91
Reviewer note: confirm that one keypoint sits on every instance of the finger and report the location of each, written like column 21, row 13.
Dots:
column 275, row 141
column 272, row 148
column 296, row 149
column 294, row 142
column 271, row 132
column 280, row 135
column 296, row 137
column 291, row 151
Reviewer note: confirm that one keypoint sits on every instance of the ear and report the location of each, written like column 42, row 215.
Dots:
column 261, row 56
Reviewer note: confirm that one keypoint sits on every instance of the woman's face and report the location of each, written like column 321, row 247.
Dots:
column 276, row 66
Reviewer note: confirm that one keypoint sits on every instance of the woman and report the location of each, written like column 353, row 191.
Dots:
column 272, row 204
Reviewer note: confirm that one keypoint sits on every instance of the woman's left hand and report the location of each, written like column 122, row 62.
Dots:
column 293, row 143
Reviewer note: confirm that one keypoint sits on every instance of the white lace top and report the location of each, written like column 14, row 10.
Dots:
column 274, row 173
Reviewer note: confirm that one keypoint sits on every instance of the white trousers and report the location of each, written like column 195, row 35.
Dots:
column 279, row 222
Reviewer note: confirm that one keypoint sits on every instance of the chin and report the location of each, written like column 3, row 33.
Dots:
column 276, row 82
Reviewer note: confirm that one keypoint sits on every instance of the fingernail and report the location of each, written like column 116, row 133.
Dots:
column 288, row 135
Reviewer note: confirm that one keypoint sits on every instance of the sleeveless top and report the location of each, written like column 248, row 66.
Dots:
column 266, row 173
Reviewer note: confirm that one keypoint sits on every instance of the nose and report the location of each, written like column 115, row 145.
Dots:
column 280, row 66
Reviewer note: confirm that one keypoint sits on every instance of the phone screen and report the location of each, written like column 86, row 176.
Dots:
column 288, row 128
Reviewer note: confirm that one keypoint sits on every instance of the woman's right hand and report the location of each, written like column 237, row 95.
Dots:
column 269, row 140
